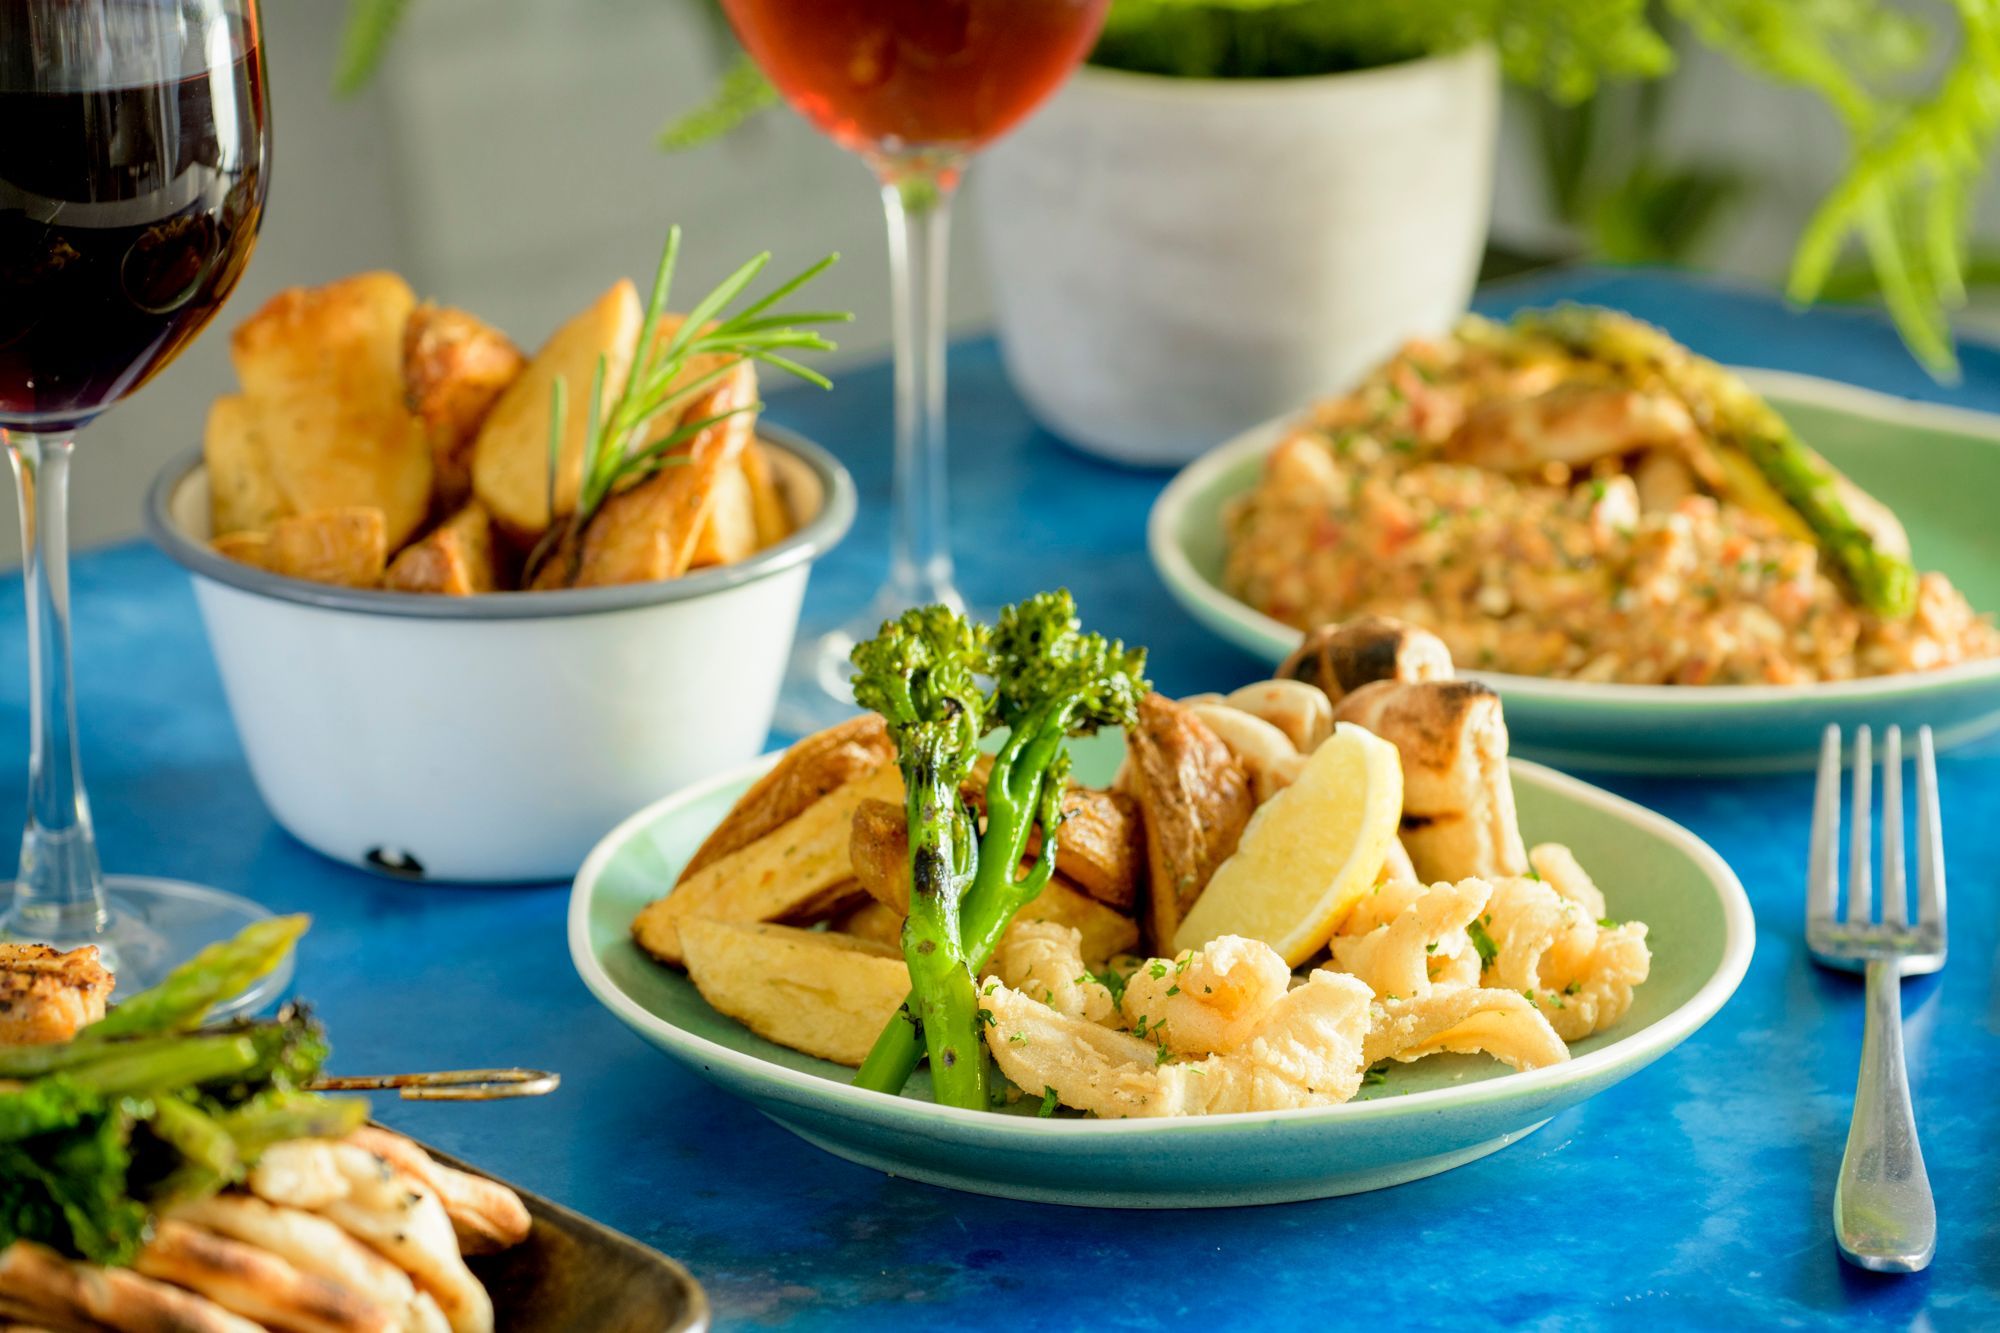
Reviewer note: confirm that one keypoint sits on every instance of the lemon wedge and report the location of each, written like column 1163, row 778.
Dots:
column 1308, row 853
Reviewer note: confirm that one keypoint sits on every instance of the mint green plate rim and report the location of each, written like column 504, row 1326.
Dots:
column 891, row 1115
column 1273, row 640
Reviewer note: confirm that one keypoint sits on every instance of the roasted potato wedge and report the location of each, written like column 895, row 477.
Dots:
column 811, row 769
column 872, row 920
column 344, row 546
column 510, row 456
column 1196, row 797
column 767, row 501
column 825, row 994
column 322, row 371
column 650, row 531
column 456, row 559
column 881, row 857
column 789, row 871
column 729, row 533
column 455, row 367
column 243, row 495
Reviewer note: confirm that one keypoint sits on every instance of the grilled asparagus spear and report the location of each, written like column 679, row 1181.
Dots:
column 1766, row 466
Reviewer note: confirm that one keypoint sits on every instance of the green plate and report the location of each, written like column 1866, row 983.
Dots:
column 1936, row 467
column 1425, row 1118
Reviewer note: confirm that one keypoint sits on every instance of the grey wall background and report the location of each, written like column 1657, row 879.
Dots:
column 504, row 162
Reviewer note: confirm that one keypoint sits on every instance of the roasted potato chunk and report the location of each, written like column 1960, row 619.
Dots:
column 767, row 502
column 243, row 495
column 1196, row 797
column 871, row 920
column 824, row 994
column 650, row 531
column 800, row 867
column 457, row 559
column 322, row 372
column 455, row 367
column 343, row 546
column 811, row 769
column 510, row 456
column 729, row 533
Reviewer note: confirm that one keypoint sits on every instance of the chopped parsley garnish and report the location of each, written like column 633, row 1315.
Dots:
column 1606, row 923
column 1114, row 981
column 1374, row 1078
column 1157, row 970
column 1482, row 941
column 1574, row 987
column 1174, row 989
column 1048, row 1103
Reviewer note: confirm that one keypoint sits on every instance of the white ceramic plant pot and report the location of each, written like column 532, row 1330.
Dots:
column 1174, row 260
column 495, row 738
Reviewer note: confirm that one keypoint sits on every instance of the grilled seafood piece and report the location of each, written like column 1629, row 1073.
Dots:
column 47, row 995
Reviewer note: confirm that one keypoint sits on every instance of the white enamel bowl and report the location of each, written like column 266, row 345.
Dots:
column 496, row 738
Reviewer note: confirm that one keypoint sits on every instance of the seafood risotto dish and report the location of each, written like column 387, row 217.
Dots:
column 1577, row 495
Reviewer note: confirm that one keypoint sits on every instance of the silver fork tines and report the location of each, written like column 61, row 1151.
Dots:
column 1883, row 1214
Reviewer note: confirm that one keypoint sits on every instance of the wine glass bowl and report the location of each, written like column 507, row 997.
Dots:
column 133, row 163
column 913, row 87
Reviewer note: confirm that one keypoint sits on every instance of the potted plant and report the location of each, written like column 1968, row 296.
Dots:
column 1239, row 203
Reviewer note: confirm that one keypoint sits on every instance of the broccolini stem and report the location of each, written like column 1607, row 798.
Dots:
column 946, row 1001
column 999, row 891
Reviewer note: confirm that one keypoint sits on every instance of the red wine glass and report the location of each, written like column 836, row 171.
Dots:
column 133, row 156
column 915, row 87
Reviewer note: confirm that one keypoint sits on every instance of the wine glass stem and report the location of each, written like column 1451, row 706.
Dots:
column 918, row 205
column 60, row 896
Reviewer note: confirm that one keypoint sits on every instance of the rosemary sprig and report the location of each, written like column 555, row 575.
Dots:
column 615, row 453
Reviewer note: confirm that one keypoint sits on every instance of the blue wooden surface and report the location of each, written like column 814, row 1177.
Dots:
column 1694, row 1195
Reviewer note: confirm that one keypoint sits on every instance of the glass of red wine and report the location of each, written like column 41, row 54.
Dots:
column 915, row 87
column 133, row 157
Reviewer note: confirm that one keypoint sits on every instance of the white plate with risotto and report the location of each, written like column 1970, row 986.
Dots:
column 1662, row 565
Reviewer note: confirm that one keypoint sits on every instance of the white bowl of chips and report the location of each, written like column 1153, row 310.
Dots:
column 496, row 737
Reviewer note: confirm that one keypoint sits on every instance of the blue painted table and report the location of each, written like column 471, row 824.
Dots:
column 1695, row 1195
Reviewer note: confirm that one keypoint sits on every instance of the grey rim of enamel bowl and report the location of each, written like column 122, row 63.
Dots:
column 820, row 534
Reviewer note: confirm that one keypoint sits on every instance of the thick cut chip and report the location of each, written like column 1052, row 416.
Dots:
column 730, row 532
column 456, row 559
column 510, row 457
column 341, row 546
column 1101, row 846
column 816, row 766
column 322, row 371
column 651, row 531
column 242, row 493
column 455, row 367
column 802, row 865
column 1309, row 852
column 767, row 501
column 824, row 994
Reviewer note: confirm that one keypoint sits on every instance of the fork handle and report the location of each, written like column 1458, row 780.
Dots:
column 1883, row 1213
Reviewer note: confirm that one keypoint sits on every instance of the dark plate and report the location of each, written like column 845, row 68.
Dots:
column 574, row 1275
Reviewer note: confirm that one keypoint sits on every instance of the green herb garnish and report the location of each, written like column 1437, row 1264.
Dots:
column 616, row 453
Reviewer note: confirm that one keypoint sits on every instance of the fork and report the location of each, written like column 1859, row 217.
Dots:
column 1883, row 1215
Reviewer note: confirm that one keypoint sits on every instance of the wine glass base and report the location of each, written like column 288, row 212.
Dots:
column 153, row 925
